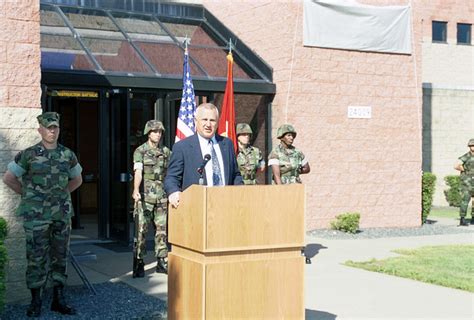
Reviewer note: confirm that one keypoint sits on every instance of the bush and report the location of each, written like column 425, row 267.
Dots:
column 3, row 261
column 346, row 222
column 428, row 187
column 453, row 194
column 3, row 229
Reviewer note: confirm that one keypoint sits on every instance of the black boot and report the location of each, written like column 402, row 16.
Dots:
column 472, row 220
column 161, row 265
column 59, row 304
column 463, row 222
column 34, row 310
column 139, row 271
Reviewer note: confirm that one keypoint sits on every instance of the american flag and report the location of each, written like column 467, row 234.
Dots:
column 185, row 127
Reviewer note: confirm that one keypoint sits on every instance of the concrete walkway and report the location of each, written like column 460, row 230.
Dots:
column 332, row 290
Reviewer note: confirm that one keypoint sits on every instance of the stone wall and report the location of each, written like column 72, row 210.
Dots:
column 20, row 94
column 371, row 166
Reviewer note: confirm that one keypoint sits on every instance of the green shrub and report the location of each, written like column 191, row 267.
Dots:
column 3, row 229
column 3, row 261
column 347, row 222
column 453, row 194
column 428, row 188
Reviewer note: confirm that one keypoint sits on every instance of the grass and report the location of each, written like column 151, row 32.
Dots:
column 449, row 266
column 446, row 212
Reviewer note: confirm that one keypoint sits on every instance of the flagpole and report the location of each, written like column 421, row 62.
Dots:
column 186, row 42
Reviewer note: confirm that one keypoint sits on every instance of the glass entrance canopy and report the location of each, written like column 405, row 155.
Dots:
column 141, row 39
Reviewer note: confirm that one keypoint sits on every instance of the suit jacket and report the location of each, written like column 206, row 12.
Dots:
column 186, row 159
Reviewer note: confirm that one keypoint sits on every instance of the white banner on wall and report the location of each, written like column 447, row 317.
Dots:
column 347, row 24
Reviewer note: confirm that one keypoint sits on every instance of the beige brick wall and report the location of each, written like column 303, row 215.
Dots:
column 448, row 124
column 447, row 63
column 20, row 95
column 372, row 166
column 448, row 97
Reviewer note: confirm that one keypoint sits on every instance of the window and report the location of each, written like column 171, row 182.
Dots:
column 439, row 33
column 464, row 33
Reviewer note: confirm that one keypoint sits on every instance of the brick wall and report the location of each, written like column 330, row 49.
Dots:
column 20, row 94
column 372, row 166
column 448, row 124
column 447, row 63
column 448, row 96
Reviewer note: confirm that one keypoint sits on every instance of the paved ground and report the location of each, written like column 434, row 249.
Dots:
column 333, row 291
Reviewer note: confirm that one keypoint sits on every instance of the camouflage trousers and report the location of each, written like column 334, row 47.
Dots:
column 156, row 214
column 466, row 194
column 46, row 240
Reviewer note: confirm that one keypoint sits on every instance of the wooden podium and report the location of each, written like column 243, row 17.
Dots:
column 236, row 253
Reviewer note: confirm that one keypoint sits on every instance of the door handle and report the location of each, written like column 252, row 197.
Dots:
column 125, row 177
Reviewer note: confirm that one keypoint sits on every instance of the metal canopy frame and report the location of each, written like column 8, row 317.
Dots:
column 161, row 13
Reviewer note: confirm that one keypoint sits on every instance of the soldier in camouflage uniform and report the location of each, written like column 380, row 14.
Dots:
column 249, row 159
column 45, row 175
column 286, row 161
column 466, row 167
column 150, row 162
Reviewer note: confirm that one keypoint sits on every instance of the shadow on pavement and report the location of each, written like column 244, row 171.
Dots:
column 312, row 249
column 319, row 315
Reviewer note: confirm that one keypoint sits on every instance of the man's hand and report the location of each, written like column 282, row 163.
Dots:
column 136, row 195
column 12, row 182
column 174, row 199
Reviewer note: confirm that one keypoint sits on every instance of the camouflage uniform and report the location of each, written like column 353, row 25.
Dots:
column 289, row 159
column 467, row 180
column 249, row 158
column 46, row 208
column 154, row 162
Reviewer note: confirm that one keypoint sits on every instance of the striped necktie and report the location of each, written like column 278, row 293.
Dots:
column 216, row 169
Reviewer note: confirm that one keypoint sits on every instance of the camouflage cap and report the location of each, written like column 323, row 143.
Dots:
column 243, row 128
column 471, row 142
column 284, row 129
column 48, row 119
column 153, row 125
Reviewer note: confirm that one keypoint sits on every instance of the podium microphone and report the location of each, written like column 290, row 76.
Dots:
column 206, row 158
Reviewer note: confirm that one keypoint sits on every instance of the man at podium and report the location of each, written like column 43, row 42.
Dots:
column 203, row 157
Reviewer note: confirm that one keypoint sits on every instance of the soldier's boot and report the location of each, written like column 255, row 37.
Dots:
column 463, row 222
column 161, row 265
column 34, row 310
column 140, row 271
column 59, row 303
column 472, row 220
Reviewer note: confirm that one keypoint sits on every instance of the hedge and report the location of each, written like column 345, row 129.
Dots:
column 428, row 188
column 453, row 194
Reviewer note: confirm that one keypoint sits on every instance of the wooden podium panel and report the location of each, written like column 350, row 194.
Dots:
column 187, row 296
column 236, row 253
column 268, row 284
column 238, row 217
column 260, row 289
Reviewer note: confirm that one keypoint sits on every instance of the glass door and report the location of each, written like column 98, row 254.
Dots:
column 120, row 165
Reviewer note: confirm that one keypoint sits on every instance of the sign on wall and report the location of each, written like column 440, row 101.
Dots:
column 359, row 112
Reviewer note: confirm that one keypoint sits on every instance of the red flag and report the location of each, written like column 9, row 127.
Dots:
column 227, row 120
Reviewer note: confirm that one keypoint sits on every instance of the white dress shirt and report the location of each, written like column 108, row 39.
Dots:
column 206, row 149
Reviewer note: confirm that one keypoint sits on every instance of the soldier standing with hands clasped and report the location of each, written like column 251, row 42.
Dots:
column 150, row 162
column 286, row 161
column 249, row 158
column 45, row 175
column 466, row 167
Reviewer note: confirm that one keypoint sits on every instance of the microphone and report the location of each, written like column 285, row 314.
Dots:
column 206, row 158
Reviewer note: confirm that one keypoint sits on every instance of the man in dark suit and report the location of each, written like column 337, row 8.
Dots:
column 188, row 154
